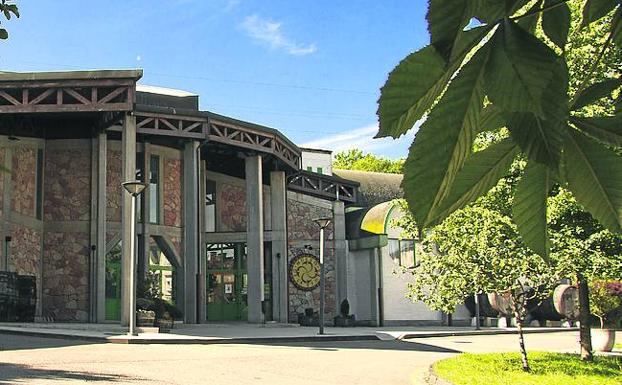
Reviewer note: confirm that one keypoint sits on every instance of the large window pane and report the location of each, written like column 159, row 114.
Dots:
column 154, row 189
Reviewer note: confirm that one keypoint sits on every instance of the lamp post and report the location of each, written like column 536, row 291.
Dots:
column 322, row 223
column 135, row 188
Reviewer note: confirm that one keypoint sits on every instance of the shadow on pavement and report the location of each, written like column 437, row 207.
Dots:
column 25, row 373
column 370, row 345
column 21, row 342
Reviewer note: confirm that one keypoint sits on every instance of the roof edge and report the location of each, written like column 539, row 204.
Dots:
column 72, row 75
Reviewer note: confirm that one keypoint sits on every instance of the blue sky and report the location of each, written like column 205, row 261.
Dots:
column 311, row 69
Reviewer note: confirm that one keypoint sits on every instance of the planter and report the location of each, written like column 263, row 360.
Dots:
column 165, row 325
column 145, row 318
column 348, row 321
column 603, row 339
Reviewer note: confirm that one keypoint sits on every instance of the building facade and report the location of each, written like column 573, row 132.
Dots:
column 226, row 210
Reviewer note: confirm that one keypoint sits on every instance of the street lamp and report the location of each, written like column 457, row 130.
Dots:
column 133, row 187
column 322, row 223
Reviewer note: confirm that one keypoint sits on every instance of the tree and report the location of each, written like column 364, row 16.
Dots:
column 509, row 70
column 8, row 8
column 477, row 250
column 355, row 160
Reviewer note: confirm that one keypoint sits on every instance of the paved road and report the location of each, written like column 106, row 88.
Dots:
column 32, row 360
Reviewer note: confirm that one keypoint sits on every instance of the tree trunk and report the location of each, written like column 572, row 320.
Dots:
column 584, row 317
column 521, row 340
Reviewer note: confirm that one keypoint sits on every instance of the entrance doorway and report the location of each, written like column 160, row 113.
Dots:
column 227, row 282
column 113, row 283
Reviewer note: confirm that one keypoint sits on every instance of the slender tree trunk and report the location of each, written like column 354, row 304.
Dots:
column 520, row 318
column 585, row 335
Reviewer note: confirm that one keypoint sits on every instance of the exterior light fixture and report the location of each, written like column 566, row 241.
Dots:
column 323, row 224
column 134, row 187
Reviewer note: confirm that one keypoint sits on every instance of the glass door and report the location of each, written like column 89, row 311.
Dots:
column 227, row 282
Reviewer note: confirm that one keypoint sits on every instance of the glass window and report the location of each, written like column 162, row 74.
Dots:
column 140, row 172
column 320, row 170
column 154, row 189
column 402, row 252
column 160, row 281
column 210, row 206
column 309, row 168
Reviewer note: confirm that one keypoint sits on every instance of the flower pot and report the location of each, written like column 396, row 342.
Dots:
column 145, row 318
column 603, row 339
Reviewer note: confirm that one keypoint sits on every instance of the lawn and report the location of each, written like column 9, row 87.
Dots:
column 546, row 369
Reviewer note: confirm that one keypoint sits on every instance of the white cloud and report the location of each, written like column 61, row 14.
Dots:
column 363, row 139
column 269, row 32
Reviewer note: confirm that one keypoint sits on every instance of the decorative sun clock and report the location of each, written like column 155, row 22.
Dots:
column 304, row 272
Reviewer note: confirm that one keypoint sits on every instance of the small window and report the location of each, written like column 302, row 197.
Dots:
column 210, row 206
column 154, row 189
column 402, row 252
column 309, row 168
column 320, row 170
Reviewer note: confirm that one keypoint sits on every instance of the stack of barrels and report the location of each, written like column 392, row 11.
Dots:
column 18, row 297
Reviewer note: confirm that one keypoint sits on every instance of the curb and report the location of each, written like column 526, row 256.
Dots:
column 483, row 333
column 189, row 341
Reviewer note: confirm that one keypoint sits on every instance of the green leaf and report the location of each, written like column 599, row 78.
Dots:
column 556, row 22
column 531, row 22
column 607, row 129
column 595, row 9
column 413, row 86
column 593, row 175
column 446, row 18
column 519, row 70
column 493, row 10
column 480, row 173
column 490, row 119
column 529, row 209
column 539, row 139
column 444, row 140
column 617, row 31
column 595, row 92
column 466, row 40
column 3, row 34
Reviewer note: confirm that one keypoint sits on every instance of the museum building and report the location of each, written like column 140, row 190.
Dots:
column 228, row 208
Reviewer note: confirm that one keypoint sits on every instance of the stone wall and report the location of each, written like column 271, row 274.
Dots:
column 2, row 176
column 113, row 185
column 303, row 232
column 172, row 187
column 232, row 207
column 25, row 253
column 65, row 276
column 67, row 185
column 24, row 181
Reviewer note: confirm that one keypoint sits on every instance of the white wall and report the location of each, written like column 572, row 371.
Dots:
column 317, row 159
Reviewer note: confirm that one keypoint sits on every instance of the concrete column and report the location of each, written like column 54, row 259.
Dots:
column 254, row 237
column 374, row 285
column 143, row 256
column 128, row 145
column 102, row 158
column 340, row 247
column 6, row 207
column 201, row 295
column 191, row 228
column 278, row 205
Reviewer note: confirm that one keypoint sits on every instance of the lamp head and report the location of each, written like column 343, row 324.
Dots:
column 322, row 222
column 134, row 187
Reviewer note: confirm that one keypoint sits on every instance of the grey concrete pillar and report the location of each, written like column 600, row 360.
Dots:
column 374, row 284
column 278, row 207
column 128, row 145
column 191, row 228
column 100, row 243
column 143, row 256
column 254, row 238
column 201, row 294
column 340, row 247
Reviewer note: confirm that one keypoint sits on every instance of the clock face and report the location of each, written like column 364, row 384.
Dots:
column 304, row 272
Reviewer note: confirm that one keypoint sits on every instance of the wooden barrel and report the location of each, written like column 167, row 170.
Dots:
column 501, row 303
column 566, row 301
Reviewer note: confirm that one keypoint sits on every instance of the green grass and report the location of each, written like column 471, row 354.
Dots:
column 546, row 369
